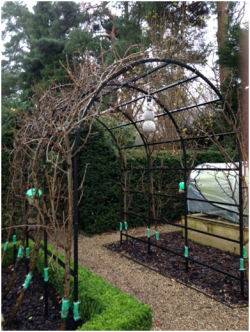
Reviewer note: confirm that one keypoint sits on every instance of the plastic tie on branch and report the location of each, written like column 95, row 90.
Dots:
column 186, row 251
column 120, row 226
column 5, row 246
column 242, row 268
column 20, row 252
column 27, row 280
column 181, row 187
column 65, row 308
column 27, row 252
column 244, row 252
column 125, row 225
column 148, row 232
column 157, row 235
column 46, row 274
column 34, row 192
column 76, row 310
column 14, row 238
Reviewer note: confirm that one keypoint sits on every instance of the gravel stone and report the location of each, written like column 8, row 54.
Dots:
column 175, row 306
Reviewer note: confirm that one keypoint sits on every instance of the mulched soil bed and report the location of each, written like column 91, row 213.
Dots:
column 212, row 283
column 30, row 315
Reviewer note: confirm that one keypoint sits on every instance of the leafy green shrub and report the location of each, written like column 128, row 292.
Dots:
column 103, row 307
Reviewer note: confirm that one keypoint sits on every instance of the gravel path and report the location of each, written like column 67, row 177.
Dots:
column 175, row 306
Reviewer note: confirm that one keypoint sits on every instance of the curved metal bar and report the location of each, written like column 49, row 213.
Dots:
column 143, row 61
column 166, row 111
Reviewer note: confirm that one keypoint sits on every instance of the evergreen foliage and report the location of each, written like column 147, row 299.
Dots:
column 100, row 209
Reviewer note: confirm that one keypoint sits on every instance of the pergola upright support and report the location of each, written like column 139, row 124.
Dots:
column 241, row 228
column 75, row 215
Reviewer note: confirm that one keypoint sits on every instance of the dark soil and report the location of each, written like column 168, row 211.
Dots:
column 214, row 284
column 30, row 315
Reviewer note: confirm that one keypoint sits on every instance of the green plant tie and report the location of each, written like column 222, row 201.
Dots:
column 76, row 310
column 27, row 280
column 120, row 226
column 33, row 192
column 46, row 274
column 20, row 252
column 5, row 246
column 125, row 225
column 244, row 252
column 27, row 252
column 157, row 235
column 148, row 232
column 242, row 264
column 14, row 238
column 181, row 186
column 186, row 253
column 65, row 308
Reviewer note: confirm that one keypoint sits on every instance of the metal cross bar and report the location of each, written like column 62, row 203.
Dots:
column 183, row 227
column 189, row 107
column 133, row 80
column 188, row 258
column 180, row 140
column 151, row 93
column 211, row 202
column 163, row 168
column 155, row 193
column 165, row 113
column 169, row 86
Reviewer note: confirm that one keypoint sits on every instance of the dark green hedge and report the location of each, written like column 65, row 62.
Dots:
column 103, row 307
column 100, row 209
column 100, row 204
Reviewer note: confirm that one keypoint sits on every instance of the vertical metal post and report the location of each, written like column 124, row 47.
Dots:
column 241, row 225
column 185, row 202
column 45, row 239
column 46, row 295
column 151, row 207
column 125, row 199
column 120, row 237
column 75, row 217
column 149, row 245
column 26, row 236
column 14, row 247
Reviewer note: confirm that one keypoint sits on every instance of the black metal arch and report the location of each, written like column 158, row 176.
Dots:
column 110, row 86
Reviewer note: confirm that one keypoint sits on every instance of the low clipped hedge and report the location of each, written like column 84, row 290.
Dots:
column 103, row 306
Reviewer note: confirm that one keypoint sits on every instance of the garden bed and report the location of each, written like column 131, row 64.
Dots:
column 102, row 306
column 30, row 316
column 212, row 283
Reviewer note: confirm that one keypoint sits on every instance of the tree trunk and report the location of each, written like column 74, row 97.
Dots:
column 68, row 226
column 32, row 267
column 223, row 20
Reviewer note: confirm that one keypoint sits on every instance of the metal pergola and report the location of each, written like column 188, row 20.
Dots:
column 128, row 79
column 110, row 87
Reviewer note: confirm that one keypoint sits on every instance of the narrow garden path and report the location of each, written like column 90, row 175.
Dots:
column 175, row 306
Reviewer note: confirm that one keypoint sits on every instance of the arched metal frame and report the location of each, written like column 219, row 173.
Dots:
column 111, row 85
